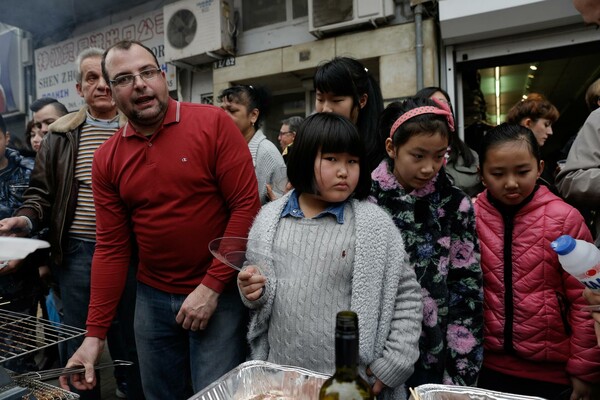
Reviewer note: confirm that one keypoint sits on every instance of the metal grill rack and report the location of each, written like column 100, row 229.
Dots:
column 21, row 334
column 25, row 388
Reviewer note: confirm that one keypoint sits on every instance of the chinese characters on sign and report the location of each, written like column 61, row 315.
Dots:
column 54, row 64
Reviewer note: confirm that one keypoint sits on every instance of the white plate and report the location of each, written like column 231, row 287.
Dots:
column 14, row 248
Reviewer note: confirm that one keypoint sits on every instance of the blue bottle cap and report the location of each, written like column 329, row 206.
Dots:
column 563, row 245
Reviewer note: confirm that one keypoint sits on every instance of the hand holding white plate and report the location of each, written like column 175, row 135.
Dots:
column 15, row 248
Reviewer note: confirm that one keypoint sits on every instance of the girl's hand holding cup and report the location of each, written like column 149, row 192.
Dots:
column 251, row 282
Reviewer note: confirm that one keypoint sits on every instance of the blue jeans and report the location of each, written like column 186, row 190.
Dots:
column 176, row 363
column 121, row 339
column 74, row 277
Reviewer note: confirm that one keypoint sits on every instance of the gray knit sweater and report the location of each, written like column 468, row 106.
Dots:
column 383, row 292
column 268, row 165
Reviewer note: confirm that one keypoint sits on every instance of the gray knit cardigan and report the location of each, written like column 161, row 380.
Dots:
column 385, row 295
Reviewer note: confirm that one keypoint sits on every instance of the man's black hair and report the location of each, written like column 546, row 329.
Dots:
column 42, row 102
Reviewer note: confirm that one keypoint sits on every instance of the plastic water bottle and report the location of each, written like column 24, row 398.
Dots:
column 579, row 258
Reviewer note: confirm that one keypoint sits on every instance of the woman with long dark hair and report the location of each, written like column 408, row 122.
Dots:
column 345, row 87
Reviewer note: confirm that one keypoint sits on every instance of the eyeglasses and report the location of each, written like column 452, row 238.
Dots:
column 127, row 80
column 286, row 133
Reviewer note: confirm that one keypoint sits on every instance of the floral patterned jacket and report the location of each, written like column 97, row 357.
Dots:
column 437, row 223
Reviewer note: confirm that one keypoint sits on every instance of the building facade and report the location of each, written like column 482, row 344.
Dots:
column 478, row 51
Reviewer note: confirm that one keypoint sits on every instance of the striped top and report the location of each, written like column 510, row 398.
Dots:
column 94, row 132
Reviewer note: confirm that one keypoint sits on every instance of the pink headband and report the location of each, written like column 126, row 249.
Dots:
column 424, row 110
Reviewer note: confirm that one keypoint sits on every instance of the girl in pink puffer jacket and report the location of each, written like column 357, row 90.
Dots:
column 537, row 340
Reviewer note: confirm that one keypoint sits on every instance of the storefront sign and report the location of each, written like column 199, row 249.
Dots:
column 54, row 64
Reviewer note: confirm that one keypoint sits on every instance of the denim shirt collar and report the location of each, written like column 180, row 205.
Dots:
column 292, row 209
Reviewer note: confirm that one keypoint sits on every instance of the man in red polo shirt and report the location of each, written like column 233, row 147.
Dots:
column 176, row 176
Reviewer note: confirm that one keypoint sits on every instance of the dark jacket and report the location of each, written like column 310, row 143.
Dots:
column 14, row 179
column 51, row 198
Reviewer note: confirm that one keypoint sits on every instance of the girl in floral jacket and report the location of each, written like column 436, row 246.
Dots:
column 437, row 222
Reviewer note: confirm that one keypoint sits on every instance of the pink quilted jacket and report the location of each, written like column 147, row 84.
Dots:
column 533, row 323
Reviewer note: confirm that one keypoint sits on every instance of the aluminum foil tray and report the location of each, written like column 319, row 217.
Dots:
column 448, row 392
column 260, row 380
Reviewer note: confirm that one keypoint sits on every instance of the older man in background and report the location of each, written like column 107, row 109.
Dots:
column 287, row 133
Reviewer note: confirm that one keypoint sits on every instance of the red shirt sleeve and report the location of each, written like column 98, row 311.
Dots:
column 113, row 249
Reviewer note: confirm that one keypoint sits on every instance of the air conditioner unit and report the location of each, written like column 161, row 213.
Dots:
column 325, row 16
column 198, row 31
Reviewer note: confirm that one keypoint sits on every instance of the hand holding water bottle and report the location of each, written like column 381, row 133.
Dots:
column 582, row 260
column 579, row 258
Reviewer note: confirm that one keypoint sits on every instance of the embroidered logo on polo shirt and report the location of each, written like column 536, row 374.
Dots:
column 184, row 159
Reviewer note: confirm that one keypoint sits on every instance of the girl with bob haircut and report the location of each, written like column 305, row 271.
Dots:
column 335, row 138
column 345, row 87
column 346, row 254
column 437, row 222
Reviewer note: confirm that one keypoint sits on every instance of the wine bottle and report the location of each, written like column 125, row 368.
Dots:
column 346, row 383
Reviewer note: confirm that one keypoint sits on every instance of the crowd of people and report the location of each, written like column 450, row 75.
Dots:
column 443, row 252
